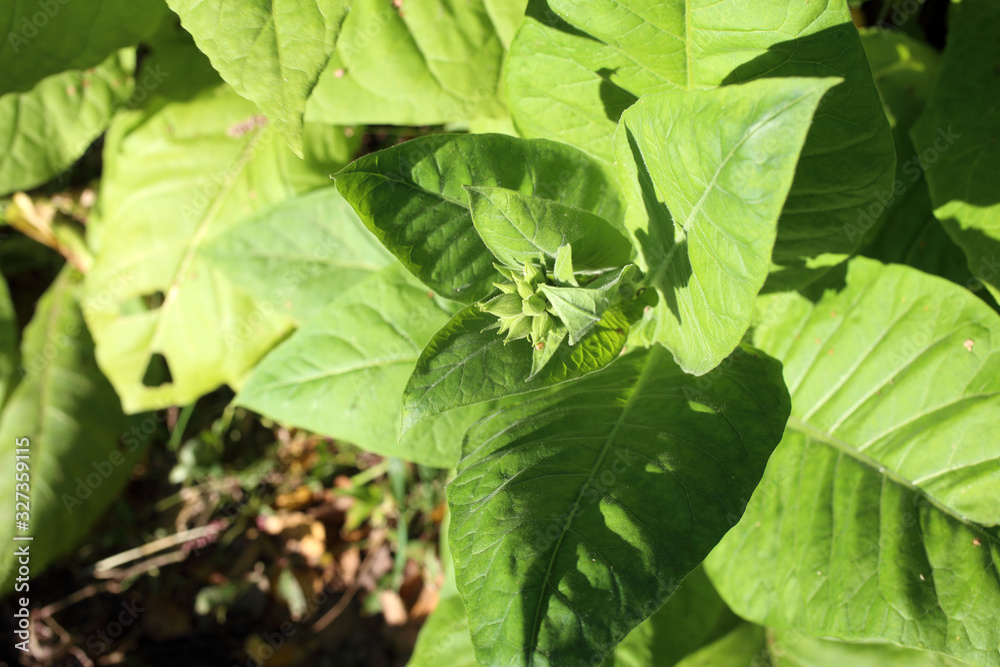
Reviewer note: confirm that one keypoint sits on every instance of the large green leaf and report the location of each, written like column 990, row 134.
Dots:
column 45, row 37
column 271, row 53
column 957, row 137
column 412, row 197
column 574, row 69
column 343, row 373
column 749, row 645
column 80, row 451
column 877, row 518
column 413, row 63
column 467, row 362
column 45, row 129
column 680, row 626
column 300, row 254
column 576, row 513
column 8, row 343
column 706, row 174
column 175, row 177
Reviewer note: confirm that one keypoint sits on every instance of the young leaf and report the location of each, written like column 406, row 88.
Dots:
column 299, row 254
column 466, row 362
column 412, row 198
column 47, row 128
column 706, row 174
column 956, row 137
column 876, row 520
column 175, row 177
column 519, row 229
column 581, row 308
column 576, row 513
column 80, row 452
column 343, row 372
column 573, row 70
column 272, row 54
column 42, row 39
column 425, row 62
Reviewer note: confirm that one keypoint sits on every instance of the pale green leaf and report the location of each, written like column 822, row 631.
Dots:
column 343, row 373
column 574, row 69
column 749, row 645
column 300, row 254
column 792, row 649
column 425, row 62
column 706, row 174
column 412, row 198
column 444, row 639
column 877, row 518
column 46, row 37
column 45, row 129
column 467, row 362
column 957, row 137
column 80, row 451
column 519, row 229
column 271, row 53
column 8, row 343
column 174, row 178
column 576, row 513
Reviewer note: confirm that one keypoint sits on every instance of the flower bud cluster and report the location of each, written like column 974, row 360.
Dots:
column 522, row 309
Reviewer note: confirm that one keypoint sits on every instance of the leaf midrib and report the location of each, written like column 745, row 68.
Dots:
column 626, row 409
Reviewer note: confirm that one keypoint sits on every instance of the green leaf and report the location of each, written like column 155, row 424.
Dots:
column 48, row 127
column 444, row 639
column 342, row 374
column 172, row 52
column 519, row 229
column 45, row 37
column 270, row 54
column 412, row 198
column 749, row 644
column 419, row 63
column 8, row 343
column 175, row 177
column 576, row 513
column 791, row 649
column 744, row 645
column 706, row 174
column 877, row 517
column 80, row 453
column 906, row 231
column 679, row 627
column 466, row 362
column 956, row 137
column 581, row 308
column 683, row 624
column 300, row 254
column 573, row 70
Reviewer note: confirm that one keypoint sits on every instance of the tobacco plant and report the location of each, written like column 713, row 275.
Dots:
column 696, row 298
